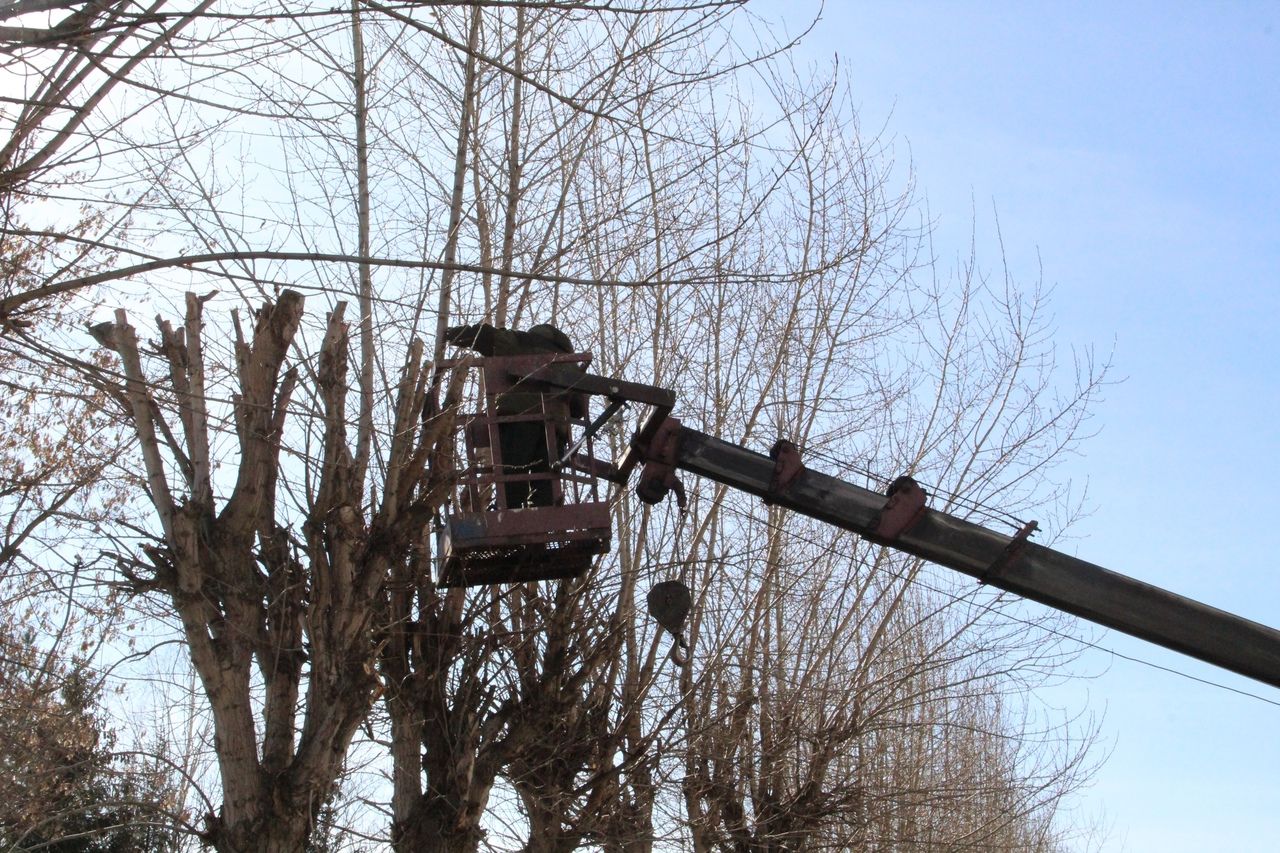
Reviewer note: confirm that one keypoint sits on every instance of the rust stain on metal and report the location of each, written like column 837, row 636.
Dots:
column 1010, row 552
column 902, row 510
column 786, row 467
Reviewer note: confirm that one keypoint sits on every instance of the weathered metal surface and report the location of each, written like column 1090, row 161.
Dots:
column 1010, row 552
column 642, row 441
column 660, row 454
column 548, row 521
column 1038, row 573
column 510, row 546
column 786, row 466
column 524, row 518
column 603, row 386
column 903, row 509
column 505, row 565
column 669, row 603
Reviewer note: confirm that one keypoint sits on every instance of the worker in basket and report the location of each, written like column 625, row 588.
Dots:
column 523, row 444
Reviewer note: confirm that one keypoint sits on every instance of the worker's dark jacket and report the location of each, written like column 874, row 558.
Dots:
column 525, row 446
column 491, row 341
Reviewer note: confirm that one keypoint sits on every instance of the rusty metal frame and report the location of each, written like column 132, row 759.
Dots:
column 503, row 545
column 483, row 540
column 904, row 507
column 1010, row 553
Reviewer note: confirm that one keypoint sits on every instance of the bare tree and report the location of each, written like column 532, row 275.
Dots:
column 844, row 698
column 83, row 66
column 730, row 235
column 268, row 596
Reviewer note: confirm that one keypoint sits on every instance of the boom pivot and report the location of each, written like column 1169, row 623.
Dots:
column 901, row 520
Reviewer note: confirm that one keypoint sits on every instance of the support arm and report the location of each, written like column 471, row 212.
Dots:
column 1010, row 563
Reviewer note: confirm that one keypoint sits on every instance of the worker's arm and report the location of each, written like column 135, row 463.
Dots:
column 478, row 336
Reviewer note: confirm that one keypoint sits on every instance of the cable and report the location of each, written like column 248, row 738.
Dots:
column 952, row 498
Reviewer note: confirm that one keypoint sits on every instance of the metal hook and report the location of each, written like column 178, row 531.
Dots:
column 669, row 603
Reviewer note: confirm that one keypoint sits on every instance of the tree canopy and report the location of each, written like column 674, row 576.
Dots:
column 234, row 236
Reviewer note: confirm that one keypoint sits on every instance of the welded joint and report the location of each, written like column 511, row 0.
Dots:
column 786, row 467
column 1010, row 553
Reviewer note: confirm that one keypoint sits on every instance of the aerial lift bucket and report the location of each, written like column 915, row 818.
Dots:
column 511, row 521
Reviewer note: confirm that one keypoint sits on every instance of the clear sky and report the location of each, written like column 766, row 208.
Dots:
column 1132, row 149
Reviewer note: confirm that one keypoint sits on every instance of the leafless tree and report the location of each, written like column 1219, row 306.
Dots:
column 703, row 217
column 277, row 582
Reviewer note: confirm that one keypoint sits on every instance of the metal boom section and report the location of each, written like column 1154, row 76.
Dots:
column 1007, row 562
column 901, row 520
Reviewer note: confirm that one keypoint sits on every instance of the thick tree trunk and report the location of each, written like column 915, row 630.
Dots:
column 446, row 820
column 255, row 603
column 274, row 831
column 437, row 833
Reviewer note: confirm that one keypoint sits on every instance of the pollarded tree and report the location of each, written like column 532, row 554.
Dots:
column 275, row 576
column 265, row 627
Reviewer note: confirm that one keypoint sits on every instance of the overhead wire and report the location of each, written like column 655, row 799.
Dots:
column 953, row 498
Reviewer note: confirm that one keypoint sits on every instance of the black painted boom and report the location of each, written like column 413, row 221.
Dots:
column 1029, row 570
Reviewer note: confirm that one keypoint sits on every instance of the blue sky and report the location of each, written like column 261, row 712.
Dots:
column 1131, row 151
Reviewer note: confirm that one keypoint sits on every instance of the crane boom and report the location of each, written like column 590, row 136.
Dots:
column 1006, row 562
column 903, row 522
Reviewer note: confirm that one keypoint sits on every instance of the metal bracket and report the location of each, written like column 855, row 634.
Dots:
column 1010, row 552
column 901, row 511
column 786, row 467
column 658, row 477
column 595, row 427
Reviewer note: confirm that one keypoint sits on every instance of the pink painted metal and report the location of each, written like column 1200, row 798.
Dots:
column 1010, row 553
column 903, row 509
column 564, row 521
column 787, row 465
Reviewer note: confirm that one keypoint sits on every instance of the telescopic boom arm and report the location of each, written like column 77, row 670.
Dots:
column 1010, row 563
column 901, row 520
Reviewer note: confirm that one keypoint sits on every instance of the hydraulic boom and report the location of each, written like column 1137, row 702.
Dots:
column 901, row 520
